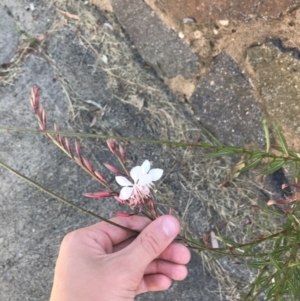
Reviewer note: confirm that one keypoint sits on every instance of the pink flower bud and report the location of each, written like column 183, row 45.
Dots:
column 88, row 165
column 99, row 176
column 122, row 153
column 43, row 116
column 77, row 147
column 112, row 169
column 60, row 140
column 112, row 145
column 98, row 195
column 35, row 98
column 68, row 146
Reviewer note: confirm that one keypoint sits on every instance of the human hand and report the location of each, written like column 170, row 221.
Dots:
column 107, row 263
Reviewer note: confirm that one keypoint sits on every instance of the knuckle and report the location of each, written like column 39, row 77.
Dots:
column 151, row 244
column 72, row 237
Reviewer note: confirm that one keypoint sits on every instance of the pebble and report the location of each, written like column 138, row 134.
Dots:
column 224, row 22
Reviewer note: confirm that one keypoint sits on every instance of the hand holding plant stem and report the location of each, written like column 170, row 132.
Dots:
column 280, row 268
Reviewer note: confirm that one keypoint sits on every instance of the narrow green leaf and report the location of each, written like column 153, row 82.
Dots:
column 213, row 137
column 274, row 166
column 258, row 264
column 271, row 211
column 281, row 140
column 295, row 169
column 224, row 152
column 267, row 135
column 251, row 165
column 292, row 286
column 275, row 262
column 272, row 292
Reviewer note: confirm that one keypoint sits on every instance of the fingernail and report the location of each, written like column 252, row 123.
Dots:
column 169, row 227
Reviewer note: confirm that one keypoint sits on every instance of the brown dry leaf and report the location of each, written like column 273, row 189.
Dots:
column 69, row 15
column 235, row 171
column 271, row 202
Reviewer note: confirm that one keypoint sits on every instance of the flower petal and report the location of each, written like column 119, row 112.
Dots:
column 123, row 181
column 145, row 166
column 136, row 173
column 125, row 193
column 156, row 174
column 144, row 180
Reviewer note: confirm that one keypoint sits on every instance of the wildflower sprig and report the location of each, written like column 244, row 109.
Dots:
column 63, row 143
column 137, row 194
column 278, row 269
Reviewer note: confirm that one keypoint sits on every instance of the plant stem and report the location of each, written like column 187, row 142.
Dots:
column 33, row 183
column 206, row 145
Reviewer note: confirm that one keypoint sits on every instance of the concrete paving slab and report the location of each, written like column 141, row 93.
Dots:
column 34, row 22
column 158, row 45
column 223, row 102
column 9, row 36
column 276, row 71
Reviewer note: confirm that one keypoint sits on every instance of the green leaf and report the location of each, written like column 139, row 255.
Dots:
column 281, row 140
column 213, row 137
column 274, row 166
column 223, row 152
column 292, row 287
column 272, row 292
column 251, row 165
column 275, row 262
column 271, row 211
column 267, row 135
column 258, row 264
column 295, row 169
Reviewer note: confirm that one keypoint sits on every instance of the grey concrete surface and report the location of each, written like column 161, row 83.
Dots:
column 158, row 45
column 224, row 103
column 276, row 69
column 34, row 22
column 9, row 37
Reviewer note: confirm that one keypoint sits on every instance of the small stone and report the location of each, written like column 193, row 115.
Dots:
column 181, row 35
column 212, row 83
column 108, row 25
column 188, row 20
column 224, row 22
column 215, row 31
column 197, row 34
column 104, row 59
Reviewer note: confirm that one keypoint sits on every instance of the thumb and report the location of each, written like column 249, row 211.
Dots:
column 153, row 240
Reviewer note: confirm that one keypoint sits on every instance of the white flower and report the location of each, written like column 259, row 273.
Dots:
column 142, row 177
